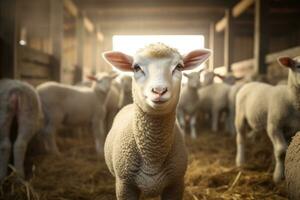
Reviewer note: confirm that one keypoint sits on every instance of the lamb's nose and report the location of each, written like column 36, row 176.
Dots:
column 159, row 90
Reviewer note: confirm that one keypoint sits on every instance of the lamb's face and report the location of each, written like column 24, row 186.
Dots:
column 126, row 83
column 157, row 74
column 102, row 82
column 193, row 79
column 293, row 65
column 156, row 82
column 208, row 78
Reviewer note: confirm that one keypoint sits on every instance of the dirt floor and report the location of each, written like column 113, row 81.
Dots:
column 79, row 175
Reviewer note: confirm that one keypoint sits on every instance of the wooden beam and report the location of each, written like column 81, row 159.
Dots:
column 56, row 35
column 241, row 7
column 88, row 24
column 261, row 36
column 108, row 4
column 71, row 7
column 221, row 25
column 212, row 35
column 161, row 14
column 9, row 29
column 228, row 41
column 237, row 10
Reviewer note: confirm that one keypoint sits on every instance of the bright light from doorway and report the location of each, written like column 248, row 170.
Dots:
column 131, row 43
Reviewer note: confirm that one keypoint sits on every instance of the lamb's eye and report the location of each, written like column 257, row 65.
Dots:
column 136, row 68
column 178, row 67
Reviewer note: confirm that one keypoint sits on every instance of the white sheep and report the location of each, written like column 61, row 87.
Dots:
column 213, row 99
column 120, row 94
column 125, row 91
column 18, row 101
column 188, row 103
column 275, row 109
column 292, row 166
column 72, row 106
column 144, row 149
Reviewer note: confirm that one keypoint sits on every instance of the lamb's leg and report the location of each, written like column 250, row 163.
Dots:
column 126, row 191
column 215, row 120
column 193, row 122
column 5, row 144
column 49, row 132
column 98, row 132
column 279, row 146
column 240, row 141
column 173, row 192
column 25, row 134
column 181, row 120
column 231, row 121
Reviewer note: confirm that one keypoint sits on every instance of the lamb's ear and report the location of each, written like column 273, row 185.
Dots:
column 286, row 62
column 195, row 58
column 91, row 78
column 220, row 76
column 119, row 60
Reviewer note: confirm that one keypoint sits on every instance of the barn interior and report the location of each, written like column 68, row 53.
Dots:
column 62, row 40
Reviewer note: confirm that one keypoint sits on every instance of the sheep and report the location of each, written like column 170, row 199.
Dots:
column 144, row 149
column 125, row 91
column 188, row 102
column 274, row 109
column 234, row 89
column 208, row 78
column 18, row 101
column 72, row 106
column 119, row 96
column 292, row 165
column 213, row 99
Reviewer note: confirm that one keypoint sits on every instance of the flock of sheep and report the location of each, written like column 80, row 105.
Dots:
column 138, row 123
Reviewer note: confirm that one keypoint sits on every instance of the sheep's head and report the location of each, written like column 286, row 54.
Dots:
column 126, row 82
column 208, row 78
column 102, row 81
column 157, row 74
column 193, row 79
column 293, row 65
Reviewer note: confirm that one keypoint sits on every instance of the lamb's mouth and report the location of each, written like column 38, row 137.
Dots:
column 159, row 101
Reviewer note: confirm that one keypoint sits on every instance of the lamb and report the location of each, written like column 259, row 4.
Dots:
column 231, row 104
column 213, row 99
column 125, row 91
column 188, row 103
column 144, row 149
column 19, row 101
column 208, row 78
column 274, row 109
column 119, row 96
column 73, row 106
column 292, row 165
column 234, row 89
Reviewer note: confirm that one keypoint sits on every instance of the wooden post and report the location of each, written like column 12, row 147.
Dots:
column 94, row 51
column 212, row 34
column 9, row 30
column 228, row 41
column 56, row 34
column 80, row 35
column 107, row 46
column 261, row 36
